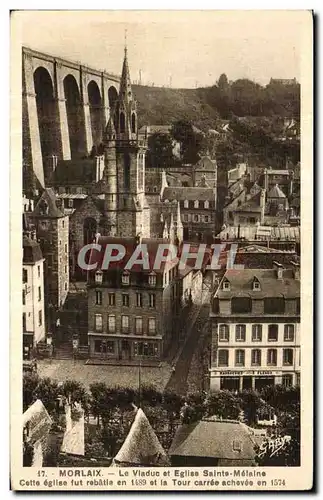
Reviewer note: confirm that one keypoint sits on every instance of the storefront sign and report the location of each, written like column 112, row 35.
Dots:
column 248, row 372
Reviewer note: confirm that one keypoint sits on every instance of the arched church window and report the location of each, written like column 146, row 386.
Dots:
column 122, row 123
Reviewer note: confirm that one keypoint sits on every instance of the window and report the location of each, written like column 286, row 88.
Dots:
column 65, row 269
column 139, row 299
column 125, row 324
column 23, row 297
column 152, row 280
column 63, row 224
column 288, row 356
column 237, row 446
column 111, row 299
column 256, row 285
column 39, row 294
column 98, row 322
column 206, row 205
column 111, row 323
column 289, row 333
column 65, row 286
column 274, row 305
column 240, row 333
column 24, row 275
column 206, row 218
column 224, row 333
column 125, row 300
column 287, row 380
column 241, row 305
column 24, row 322
column 151, row 326
column 272, row 357
column 195, row 218
column 104, row 346
column 226, row 285
column 256, row 357
column 272, row 333
column 185, row 217
column 223, row 357
column 38, row 270
column 125, row 279
column 98, row 277
column 40, row 318
column 98, row 298
column 298, row 306
column 152, row 300
column 138, row 326
column 196, row 203
column 240, row 356
column 185, row 203
column 256, row 333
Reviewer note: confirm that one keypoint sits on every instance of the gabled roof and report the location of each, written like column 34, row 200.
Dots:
column 251, row 205
column 276, row 192
column 205, row 163
column 46, row 206
column 213, row 439
column 141, row 446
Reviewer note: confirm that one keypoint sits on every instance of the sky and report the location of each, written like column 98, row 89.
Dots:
column 182, row 49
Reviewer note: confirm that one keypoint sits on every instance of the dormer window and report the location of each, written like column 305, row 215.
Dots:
column 256, row 285
column 125, row 280
column 152, row 279
column 206, row 204
column 196, row 203
column 98, row 277
column 185, row 203
column 226, row 285
column 237, row 445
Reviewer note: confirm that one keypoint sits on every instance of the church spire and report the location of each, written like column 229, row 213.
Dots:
column 125, row 82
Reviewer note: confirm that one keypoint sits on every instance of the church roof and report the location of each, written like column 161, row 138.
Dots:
column 276, row 192
column 47, row 206
column 74, row 172
column 141, row 446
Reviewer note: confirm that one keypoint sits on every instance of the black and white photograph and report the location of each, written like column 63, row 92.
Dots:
column 162, row 308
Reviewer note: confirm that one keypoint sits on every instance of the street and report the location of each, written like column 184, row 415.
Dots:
column 198, row 320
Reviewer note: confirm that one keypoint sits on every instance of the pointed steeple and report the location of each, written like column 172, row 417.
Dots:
column 125, row 92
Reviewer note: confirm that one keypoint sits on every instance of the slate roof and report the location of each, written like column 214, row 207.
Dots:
column 251, row 205
column 282, row 233
column 49, row 199
column 141, row 446
column 31, row 251
column 270, row 286
column 181, row 193
column 213, row 439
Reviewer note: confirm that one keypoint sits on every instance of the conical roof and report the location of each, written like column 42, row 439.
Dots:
column 141, row 447
column 276, row 192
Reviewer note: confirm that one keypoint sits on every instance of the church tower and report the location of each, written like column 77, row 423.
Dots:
column 126, row 209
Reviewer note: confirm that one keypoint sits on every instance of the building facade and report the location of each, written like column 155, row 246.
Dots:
column 52, row 230
column 33, row 311
column 255, row 321
column 132, row 314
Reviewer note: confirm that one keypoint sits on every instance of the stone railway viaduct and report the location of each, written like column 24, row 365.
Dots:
column 65, row 107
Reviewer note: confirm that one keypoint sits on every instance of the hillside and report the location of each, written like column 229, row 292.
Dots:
column 162, row 106
column 203, row 106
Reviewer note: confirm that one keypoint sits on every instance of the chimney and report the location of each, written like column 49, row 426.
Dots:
column 296, row 269
column 279, row 268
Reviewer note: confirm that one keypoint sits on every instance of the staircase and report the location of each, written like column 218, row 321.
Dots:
column 64, row 351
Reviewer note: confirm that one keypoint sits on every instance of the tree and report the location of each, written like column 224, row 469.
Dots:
column 160, row 152
column 223, row 83
column 29, row 383
column 75, row 393
column 191, row 141
column 223, row 404
column 48, row 391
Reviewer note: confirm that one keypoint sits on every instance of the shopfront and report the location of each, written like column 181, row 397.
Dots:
column 238, row 380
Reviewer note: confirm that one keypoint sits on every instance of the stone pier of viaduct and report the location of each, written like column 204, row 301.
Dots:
column 65, row 107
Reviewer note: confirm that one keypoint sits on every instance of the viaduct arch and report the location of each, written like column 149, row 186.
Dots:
column 65, row 109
